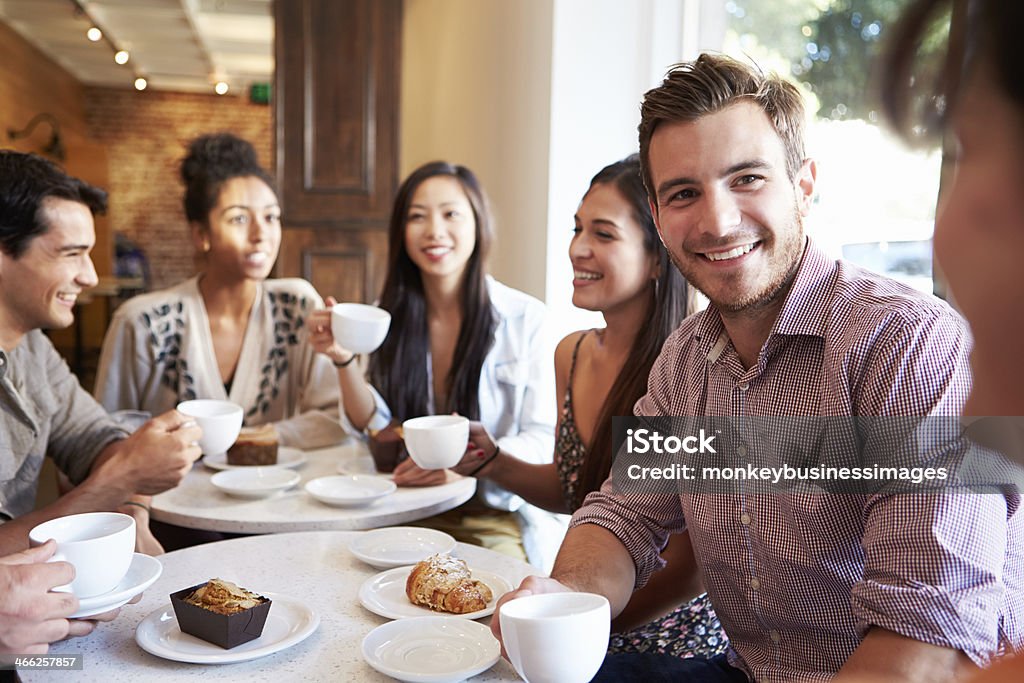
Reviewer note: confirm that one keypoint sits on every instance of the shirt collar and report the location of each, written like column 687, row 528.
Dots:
column 805, row 311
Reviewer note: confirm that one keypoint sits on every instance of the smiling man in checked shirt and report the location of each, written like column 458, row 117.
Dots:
column 824, row 586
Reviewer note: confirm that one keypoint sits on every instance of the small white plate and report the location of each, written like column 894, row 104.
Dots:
column 290, row 621
column 399, row 546
column 255, row 482
column 431, row 649
column 349, row 491
column 286, row 457
column 384, row 594
column 142, row 572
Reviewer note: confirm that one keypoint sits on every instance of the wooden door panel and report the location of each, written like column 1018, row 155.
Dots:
column 336, row 132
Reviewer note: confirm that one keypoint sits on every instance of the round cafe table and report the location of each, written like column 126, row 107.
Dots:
column 197, row 504
column 315, row 567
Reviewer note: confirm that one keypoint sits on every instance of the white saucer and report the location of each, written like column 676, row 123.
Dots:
column 286, row 457
column 142, row 572
column 350, row 491
column 431, row 649
column 399, row 546
column 290, row 621
column 384, row 594
column 255, row 482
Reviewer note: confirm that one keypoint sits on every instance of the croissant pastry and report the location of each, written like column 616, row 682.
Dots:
column 443, row 583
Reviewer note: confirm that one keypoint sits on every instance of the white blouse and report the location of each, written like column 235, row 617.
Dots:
column 517, row 406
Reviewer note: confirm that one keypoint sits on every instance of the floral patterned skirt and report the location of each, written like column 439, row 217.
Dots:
column 692, row 630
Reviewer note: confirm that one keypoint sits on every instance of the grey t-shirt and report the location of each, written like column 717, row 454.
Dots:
column 44, row 411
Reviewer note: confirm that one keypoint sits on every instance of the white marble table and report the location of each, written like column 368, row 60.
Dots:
column 314, row 566
column 197, row 504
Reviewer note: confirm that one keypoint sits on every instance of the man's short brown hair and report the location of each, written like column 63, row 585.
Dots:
column 712, row 83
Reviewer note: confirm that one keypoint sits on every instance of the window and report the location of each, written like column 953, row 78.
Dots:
column 875, row 202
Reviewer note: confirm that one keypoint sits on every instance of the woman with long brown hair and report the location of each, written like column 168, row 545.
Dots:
column 621, row 270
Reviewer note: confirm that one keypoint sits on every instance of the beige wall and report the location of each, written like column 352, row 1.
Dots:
column 476, row 90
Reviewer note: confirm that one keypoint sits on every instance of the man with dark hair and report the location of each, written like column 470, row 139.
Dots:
column 46, row 234
column 28, row 181
column 809, row 583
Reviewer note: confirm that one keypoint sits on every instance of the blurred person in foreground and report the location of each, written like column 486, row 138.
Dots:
column 978, row 99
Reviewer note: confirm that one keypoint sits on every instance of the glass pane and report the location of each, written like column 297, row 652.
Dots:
column 875, row 202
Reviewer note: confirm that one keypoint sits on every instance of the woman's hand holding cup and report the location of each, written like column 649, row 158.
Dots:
column 321, row 337
column 480, row 451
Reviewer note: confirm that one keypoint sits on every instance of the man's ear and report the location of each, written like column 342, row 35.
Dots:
column 804, row 185
column 654, row 212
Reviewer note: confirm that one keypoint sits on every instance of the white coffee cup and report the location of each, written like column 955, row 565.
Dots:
column 436, row 442
column 220, row 421
column 358, row 327
column 556, row 637
column 99, row 544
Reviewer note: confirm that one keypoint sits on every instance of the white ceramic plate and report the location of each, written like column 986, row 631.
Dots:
column 399, row 546
column 431, row 649
column 142, row 572
column 290, row 621
column 384, row 594
column 350, row 491
column 255, row 482
column 286, row 457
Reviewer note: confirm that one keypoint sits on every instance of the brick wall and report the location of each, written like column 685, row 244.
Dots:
column 144, row 134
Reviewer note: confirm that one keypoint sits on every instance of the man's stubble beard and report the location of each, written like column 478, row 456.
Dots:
column 774, row 290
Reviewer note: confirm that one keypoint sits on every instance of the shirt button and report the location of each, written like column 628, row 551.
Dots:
column 745, row 519
column 754, row 583
column 775, row 636
column 741, row 450
column 743, row 386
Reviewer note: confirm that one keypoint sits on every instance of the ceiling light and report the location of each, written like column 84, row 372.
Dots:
column 140, row 83
column 94, row 34
column 221, row 88
column 121, row 57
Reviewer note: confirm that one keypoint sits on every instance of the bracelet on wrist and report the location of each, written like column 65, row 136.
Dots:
column 137, row 504
column 486, row 462
column 346, row 363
